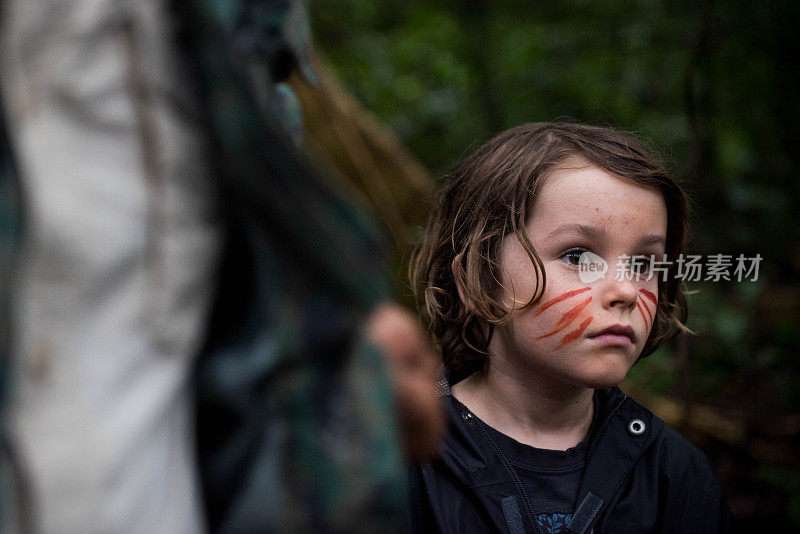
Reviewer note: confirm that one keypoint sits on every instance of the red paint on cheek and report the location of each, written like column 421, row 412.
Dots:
column 575, row 334
column 639, row 307
column 559, row 298
column 649, row 294
column 649, row 313
column 643, row 306
column 567, row 318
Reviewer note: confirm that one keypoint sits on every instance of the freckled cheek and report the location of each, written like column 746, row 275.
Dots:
column 531, row 328
column 562, row 319
column 519, row 276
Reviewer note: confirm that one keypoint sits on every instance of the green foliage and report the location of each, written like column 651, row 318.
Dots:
column 655, row 371
column 705, row 83
column 448, row 75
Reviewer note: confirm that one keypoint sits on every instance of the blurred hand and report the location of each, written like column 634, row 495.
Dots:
column 413, row 368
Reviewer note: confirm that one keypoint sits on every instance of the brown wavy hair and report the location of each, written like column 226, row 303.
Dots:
column 489, row 195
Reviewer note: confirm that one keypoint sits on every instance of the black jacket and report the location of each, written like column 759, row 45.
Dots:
column 640, row 476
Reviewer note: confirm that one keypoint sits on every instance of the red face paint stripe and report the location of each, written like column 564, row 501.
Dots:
column 639, row 307
column 649, row 313
column 567, row 318
column 559, row 298
column 571, row 314
column 575, row 334
column 649, row 294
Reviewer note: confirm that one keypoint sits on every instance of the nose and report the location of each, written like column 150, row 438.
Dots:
column 619, row 293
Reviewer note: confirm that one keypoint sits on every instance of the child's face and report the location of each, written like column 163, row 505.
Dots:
column 581, row 208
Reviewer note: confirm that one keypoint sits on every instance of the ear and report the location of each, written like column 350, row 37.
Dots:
column 457, row 271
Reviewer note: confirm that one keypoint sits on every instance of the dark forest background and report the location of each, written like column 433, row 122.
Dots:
column 713, row 88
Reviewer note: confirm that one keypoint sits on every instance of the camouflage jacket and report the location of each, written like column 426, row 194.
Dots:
column 295, row 416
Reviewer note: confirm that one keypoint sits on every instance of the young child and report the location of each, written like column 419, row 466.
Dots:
column 535, row 337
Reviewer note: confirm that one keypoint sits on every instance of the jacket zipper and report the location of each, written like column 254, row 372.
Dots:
column 517, row 482
column 602, row 429
column 596, row 439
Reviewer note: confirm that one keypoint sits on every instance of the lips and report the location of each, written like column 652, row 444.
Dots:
column 616, row 330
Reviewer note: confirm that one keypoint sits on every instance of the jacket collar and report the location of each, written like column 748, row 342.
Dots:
column 626, row 430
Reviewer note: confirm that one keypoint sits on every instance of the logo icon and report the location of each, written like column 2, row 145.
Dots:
column 591, row 267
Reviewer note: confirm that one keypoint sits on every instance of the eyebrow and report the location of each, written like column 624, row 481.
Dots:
column 600, row 233
column 592, row 232
column 652, row 239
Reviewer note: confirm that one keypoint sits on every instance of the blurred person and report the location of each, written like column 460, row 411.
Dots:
column 203, row 333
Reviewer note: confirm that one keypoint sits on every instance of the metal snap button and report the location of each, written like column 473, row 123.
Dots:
column 468, row 417
column 636, row 427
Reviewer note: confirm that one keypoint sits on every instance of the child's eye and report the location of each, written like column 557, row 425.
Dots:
column 640, row 264
column 573, row 256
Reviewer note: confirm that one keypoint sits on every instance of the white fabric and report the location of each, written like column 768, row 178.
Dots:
column 116, row 276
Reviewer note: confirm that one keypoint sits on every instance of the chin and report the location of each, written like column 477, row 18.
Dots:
column 604, row 382
column 605, row 372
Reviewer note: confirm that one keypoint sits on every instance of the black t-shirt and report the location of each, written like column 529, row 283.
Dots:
column 551, row 478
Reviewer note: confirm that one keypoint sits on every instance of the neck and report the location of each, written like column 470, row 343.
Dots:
column 546, row 414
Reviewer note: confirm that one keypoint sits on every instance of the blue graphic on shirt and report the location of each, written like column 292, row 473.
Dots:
column 553, row 523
